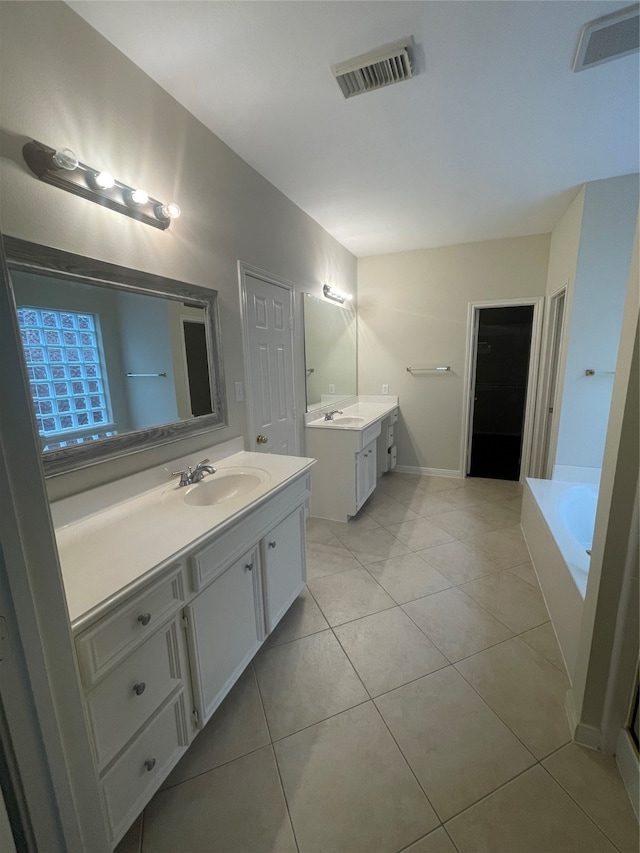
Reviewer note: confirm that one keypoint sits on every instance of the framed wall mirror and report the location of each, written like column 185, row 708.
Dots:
column 118, row 360
column 329, row 350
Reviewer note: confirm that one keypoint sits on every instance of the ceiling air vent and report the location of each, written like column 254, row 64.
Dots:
column 388, row 64
column 608, row 38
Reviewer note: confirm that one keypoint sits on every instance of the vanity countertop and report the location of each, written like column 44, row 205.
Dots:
column 124, row 545
column 367, row 410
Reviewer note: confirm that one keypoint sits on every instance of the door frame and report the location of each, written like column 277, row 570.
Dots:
column 548, row 345
column 245, row 269
column 473, row 310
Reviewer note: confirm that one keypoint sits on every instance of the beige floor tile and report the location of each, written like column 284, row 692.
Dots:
column 386, row 510
column 502, row 513
column 525, row 690
column 466, row 496
column 349, row 789
column 457, row 747
column 505, row 547
column 236, row 728
column 463, row 523
column 593, row 780
column 387, row 650
column 527, row 573
column 371, row 546
column 495, row 490
column 531, row 814
column 318, row 530
column 304, row 617
column 237, row 807
column 398, row 486
column 511, row 600
column 434, row 485
column 132, row 842
column 408, row 577
column 419, row 534
column 305, row 681
column 431, row 503
column 458, row 562
column 326, row 558
column 543, row 640
column 436, row 842
column 362, row 521
column 456, row 624
column 349, row 595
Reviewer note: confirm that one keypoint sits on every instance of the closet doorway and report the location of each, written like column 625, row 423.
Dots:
column 503, row 365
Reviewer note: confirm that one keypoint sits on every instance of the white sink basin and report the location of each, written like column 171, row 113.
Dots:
column 347, row 420
column 222, row 486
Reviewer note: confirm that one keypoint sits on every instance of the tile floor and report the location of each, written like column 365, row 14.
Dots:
column 411, row 700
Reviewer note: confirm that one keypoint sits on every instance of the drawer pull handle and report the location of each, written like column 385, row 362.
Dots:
column 149, row 764
column 139, row 688
column 272, row 544
column 249, row 566
column 144, row 618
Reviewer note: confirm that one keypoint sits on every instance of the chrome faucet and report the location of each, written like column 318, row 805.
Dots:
column 194, row 476
column 329, row 415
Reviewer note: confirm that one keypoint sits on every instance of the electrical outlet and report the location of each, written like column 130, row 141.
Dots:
column 332, row 389
column 239, row 392
column 385, row 389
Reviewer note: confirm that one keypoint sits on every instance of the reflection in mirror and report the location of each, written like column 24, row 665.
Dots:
column 330, row 351
column 117, row 360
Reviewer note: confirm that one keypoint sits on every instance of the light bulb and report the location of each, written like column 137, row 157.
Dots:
column 139, row 197
column 64, row 158
column 104, row 180
column 168, row 211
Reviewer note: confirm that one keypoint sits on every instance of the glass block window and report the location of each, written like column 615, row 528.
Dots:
column 67, row 377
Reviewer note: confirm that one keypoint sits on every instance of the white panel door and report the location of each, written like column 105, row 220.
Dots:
column 269, row 350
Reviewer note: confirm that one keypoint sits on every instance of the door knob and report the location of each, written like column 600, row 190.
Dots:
column 262, row 439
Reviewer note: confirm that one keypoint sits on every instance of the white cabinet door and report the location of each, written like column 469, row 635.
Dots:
column 365, row 473
column 284, row 568
column 225, row 630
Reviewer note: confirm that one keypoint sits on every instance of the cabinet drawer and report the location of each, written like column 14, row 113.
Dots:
column 214, row 558
column 132, row 781
column 120, row 704
column 102, row 646
column 370, row 433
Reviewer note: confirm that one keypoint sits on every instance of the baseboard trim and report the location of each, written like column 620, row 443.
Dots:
column 627, row 761
column 432, row 472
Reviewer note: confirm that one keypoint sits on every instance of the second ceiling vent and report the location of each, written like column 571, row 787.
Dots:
column 391, row 63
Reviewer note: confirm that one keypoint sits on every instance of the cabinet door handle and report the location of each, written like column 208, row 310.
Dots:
column 149, row 764
column 139, row 688
column 249, row 566
column 144, row 618
column 272, row 545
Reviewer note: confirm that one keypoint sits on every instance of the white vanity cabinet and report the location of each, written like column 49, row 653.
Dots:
column 134, row 667
column 366, row 473
column 346, row 470
column 225, row 630
column 242, row 594
column 158, row 663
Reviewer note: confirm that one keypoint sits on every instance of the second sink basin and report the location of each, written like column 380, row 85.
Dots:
column 222, row 486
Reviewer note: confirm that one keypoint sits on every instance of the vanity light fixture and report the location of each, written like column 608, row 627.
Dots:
column 336, row 295
column 61, row 168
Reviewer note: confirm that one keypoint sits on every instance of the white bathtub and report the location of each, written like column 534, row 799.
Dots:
column 557, row 523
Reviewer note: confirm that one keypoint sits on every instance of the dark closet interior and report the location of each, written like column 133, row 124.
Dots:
column 502, row 366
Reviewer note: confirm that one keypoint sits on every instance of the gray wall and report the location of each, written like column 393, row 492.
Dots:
column 66, row 86
column 412, row 310
column 597, row 289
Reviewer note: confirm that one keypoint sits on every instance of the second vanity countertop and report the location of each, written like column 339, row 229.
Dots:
column 367, row 409
column 113, row 549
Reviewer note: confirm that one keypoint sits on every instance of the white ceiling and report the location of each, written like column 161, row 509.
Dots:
column 490, row 139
